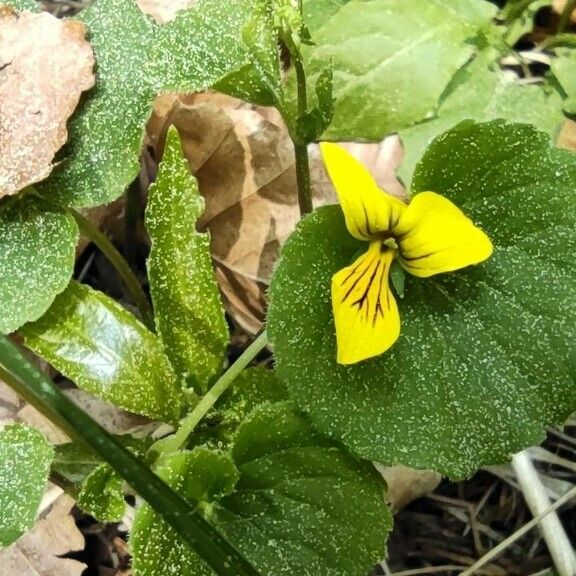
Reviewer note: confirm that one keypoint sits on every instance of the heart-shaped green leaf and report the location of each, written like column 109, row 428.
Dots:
column 391, row 60
column 188, row 310
column 485, row 359
column 106, row 351
column 25, row 458
column 36, row 258
column 299, row 504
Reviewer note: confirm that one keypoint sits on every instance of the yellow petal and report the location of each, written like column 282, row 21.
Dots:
column 435, row 236
column 367, row 210
column 365, row 312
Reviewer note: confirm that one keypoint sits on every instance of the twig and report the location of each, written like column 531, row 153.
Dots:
column 537, row 499
column 497, row 550
column 119, row 263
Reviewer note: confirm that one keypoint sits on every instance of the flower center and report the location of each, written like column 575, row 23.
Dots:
column 388, row 242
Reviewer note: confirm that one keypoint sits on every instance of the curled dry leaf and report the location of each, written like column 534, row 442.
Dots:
column 38, row 552
column 567, row 136
column 244, row 161
column 45, row 64
column 163, row 10
column 406, row 484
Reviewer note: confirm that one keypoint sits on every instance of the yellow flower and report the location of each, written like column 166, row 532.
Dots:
column 428, row 236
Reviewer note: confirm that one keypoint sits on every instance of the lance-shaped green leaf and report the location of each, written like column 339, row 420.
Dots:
column 101, row 495
column 481, row 91
column 563, row 67
column 189, row 315
column 106, row 351
column 485, row 358
column 36, row 258
column 392, row 60
column 297, row 505
column 25, row 458
column 137, row 59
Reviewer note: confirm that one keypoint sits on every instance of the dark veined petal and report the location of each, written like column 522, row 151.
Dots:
column 365, row 311
column 435, row 236
column 368, row 211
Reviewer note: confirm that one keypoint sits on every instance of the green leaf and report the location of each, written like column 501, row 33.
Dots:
column 36, row 258
column 106, row 351
column 22, row 5
column 101, row 495
column 518, row 16
column 300, row 505
column 189, row 315
column 74, row 462
column 482, row 91
column 414, row 50
column 259, row 81
column 563, row 67
column 200, row 477
column 25, row 457
column 137, row 59
column 252, row 388
column 312, row 124
column 485, row 359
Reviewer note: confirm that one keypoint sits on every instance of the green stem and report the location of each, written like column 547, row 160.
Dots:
column 565, row 16
column 301, row 148
column 206, row 541
column 119, row 263
column 303, row 179
column 188, row 424
column 300, row 82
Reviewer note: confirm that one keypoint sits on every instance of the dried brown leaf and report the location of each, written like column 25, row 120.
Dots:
column 45, row 64
column 163, row 10
column 244, row 161
column 406, row 484
column 567, row 137
column 38, row 552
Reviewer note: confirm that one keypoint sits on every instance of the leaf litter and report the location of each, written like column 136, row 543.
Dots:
column 244, row 161
column 45, row 65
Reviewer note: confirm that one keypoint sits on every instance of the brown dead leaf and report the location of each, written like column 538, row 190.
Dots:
column 244, row 161
column 567, row 137
column 38, row 552
column 406, row 484
column 163, row 10
column 45, row 64
column 558, row 7
column 113, row 419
